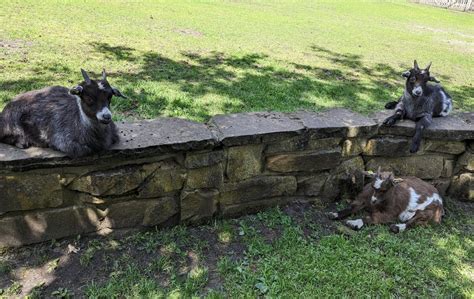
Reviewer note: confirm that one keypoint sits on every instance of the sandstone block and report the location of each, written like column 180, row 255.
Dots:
column 462, row 187
column 19, row 192
column 163, row 181
column 203, row 159
column 353, row 146
column 257, row 188
column 149, row 212
column 205, row 177
column 254, row 206
column 444, row 146
column 424, row 167
column 311, row 185
column 304, row 162
column 387, row 146
column 303, row 142
column 244, row 162
column 38, row 226
column 465, row 162
column 198, row 205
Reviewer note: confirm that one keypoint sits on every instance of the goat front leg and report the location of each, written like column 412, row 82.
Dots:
column 374, row 218
column 423, row 123
column 344, row 213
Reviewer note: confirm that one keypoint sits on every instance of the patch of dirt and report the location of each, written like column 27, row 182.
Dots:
column 14, row 46
column 188, row 31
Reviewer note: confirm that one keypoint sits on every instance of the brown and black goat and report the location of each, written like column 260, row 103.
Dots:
column 420, row 102
column 75, row 121
column 403, row 202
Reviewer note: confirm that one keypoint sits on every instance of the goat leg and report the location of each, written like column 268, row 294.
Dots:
column 355, row 207
column 423, row 123
column 422, row 217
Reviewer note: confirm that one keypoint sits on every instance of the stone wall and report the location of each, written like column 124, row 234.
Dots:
column 170, row 170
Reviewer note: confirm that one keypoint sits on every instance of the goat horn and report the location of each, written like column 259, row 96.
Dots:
column 415, row 64
column 379, row 169
column 86, row 76
column 428, row 67
column 104, row 75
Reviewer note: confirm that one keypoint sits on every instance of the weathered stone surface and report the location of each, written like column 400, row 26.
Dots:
column 167, row 178
column 198, row 205
column 304, row 162
column 462, row 187
column 113, row 182
column 11, row 155
column 38, row 226
column 387, row 146
column 244, row 162
column 311, row 185
column 303, row 142
column 458, row 126
column 353, row 146
column 448, row 168
column 20, row 192
column 444, row 146
column 146, row 212
column 256, row 189
column 245, row 128
column 163, row 134
column 442, row 185
column 465, row 162
column 336, row 184
column 205, row 177
column 254, row 206
column 202, row 159
column 424, row 167
column 336, row 123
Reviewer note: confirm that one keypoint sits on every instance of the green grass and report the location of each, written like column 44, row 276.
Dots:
column 195, row 59
column 283, row 252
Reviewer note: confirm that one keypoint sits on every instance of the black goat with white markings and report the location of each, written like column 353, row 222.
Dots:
column 75, row 121
column 420, row 102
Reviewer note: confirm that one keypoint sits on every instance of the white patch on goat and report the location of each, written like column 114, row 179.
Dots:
column 333, row 215
column 416, row 90
column 43, row 135
column 447, row 104
column 101, row 113
column 357, row 223
column 373, row 199
column 401, row 227
column 378, row 183
column 414, row 206
column 84, row 118
column 101, row 86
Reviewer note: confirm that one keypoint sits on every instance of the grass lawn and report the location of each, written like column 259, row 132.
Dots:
column 288, row 252
column 195, row 59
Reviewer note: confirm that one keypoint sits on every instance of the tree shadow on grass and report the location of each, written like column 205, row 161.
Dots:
column 199, row 85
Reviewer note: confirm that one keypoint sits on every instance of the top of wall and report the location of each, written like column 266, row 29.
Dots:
column 165, row 135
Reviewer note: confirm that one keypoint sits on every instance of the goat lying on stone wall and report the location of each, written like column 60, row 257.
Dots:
column 75, row 121
column 409, row 201
column 420, row 102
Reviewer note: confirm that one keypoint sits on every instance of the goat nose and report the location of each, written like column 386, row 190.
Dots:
column 107, row 116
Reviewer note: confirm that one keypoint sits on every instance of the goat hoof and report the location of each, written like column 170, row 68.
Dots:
column 388, row 122
column 414, row 148
column 332, row 215
column 394, row 229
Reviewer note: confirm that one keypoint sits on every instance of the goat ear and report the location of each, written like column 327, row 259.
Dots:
column 406, row 74
column 104, row 75
column 85, row 76
column 415, row 65
column 76, row 90
column 117, row 93
column 433, row 79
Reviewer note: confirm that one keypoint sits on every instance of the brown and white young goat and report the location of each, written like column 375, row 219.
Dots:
column 408, row 201
column 420, row 102
column 75, row 121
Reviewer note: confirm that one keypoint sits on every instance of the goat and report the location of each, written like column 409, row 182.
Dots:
column 388, row 199
column 75, row 121
column 420, row 102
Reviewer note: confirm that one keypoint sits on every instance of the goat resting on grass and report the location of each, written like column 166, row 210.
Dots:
column 420, row 102
column 408, row 201
column 75, row 121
